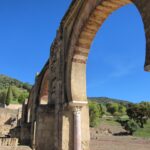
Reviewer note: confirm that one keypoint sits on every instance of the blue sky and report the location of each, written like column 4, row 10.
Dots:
column 116, row 60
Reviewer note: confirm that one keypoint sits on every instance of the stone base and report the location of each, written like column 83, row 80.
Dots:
column 44, row 136
column 15, row 148
column 25, row 134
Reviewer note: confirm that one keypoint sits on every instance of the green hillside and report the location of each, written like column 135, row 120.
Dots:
column 6, row 81
column 13, row 91
column 106, row 100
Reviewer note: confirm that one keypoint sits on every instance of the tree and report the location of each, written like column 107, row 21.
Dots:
column 131, row 126
column 112, row 108
column 15, row 92
column 139, row 113
column 94, row 113
column 122, row 109
column 23, row 96
column 9, row 96
column 3, row 97
column 103, row 109
column 27, row 86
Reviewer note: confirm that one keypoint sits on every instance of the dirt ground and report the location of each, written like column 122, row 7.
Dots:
column 102, row 138
column 120, row 143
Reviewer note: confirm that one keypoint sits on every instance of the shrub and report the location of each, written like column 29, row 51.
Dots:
column 131, row 126
column 94, row 113
column 139, row 113
column 112, row 108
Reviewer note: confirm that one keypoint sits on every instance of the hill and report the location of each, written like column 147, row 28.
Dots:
column 13, row 90
column 6, row 81
column 106, row 100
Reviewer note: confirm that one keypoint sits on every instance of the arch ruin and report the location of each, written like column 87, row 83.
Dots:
column 63, row 124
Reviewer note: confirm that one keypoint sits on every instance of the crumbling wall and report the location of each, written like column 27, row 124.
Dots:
column 44, row 128
column 8, row 141
column 6, row 115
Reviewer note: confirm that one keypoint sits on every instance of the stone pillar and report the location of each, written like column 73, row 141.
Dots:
column 77, row 107
column 77, row 127
column 34, row 137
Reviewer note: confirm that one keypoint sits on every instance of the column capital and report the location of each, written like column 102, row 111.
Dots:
column 76, row 106
column 76, row 109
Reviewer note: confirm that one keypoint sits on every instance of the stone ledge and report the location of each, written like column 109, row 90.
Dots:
column 14, row 148
column 8, row 141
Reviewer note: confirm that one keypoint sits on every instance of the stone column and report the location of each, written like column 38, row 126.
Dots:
column 77, row 106
column 77, row 127
column 34, row 137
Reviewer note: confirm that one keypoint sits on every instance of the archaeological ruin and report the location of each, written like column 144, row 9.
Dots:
column 55, row 117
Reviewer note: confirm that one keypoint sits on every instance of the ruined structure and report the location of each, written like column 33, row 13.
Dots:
column 56, row 114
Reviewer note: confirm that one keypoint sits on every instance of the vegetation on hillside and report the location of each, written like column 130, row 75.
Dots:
column 143, row 132
column 13, row 91
column 134, row 118
column 97, row 110
column 6, row 81
column 106, row 100
column 140, row 113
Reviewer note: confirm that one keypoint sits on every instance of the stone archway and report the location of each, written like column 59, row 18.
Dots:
column 89, row 21
column 91, row 16
column 67, row 102
column 43, row 97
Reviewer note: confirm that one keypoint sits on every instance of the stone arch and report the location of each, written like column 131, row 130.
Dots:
column 90, row 18
column 67, row 111
column 43, row 97
column 29, row 105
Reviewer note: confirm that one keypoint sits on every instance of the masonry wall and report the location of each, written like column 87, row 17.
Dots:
column 8, row 141
column 44, row 135
column 6, row 115
column 25, row 137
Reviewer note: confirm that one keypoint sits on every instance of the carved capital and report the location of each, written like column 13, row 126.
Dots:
column 76, row 109
column 76, row 106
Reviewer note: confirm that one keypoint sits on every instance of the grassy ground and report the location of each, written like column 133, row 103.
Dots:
column 14, row 101
column 143, row 132
column 109, row 121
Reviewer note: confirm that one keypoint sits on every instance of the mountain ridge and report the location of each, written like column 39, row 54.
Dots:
column 106, row 100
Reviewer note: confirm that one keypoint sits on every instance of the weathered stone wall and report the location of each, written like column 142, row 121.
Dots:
column 6, row 115
column 25, row 135
column 8, row 120
column 44, row 136
column 8, row 141
column 53, row 128
column 15, row 148
column 4, row 130
column 14, row 106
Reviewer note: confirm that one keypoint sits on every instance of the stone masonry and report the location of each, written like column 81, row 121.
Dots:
column 56, row 114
